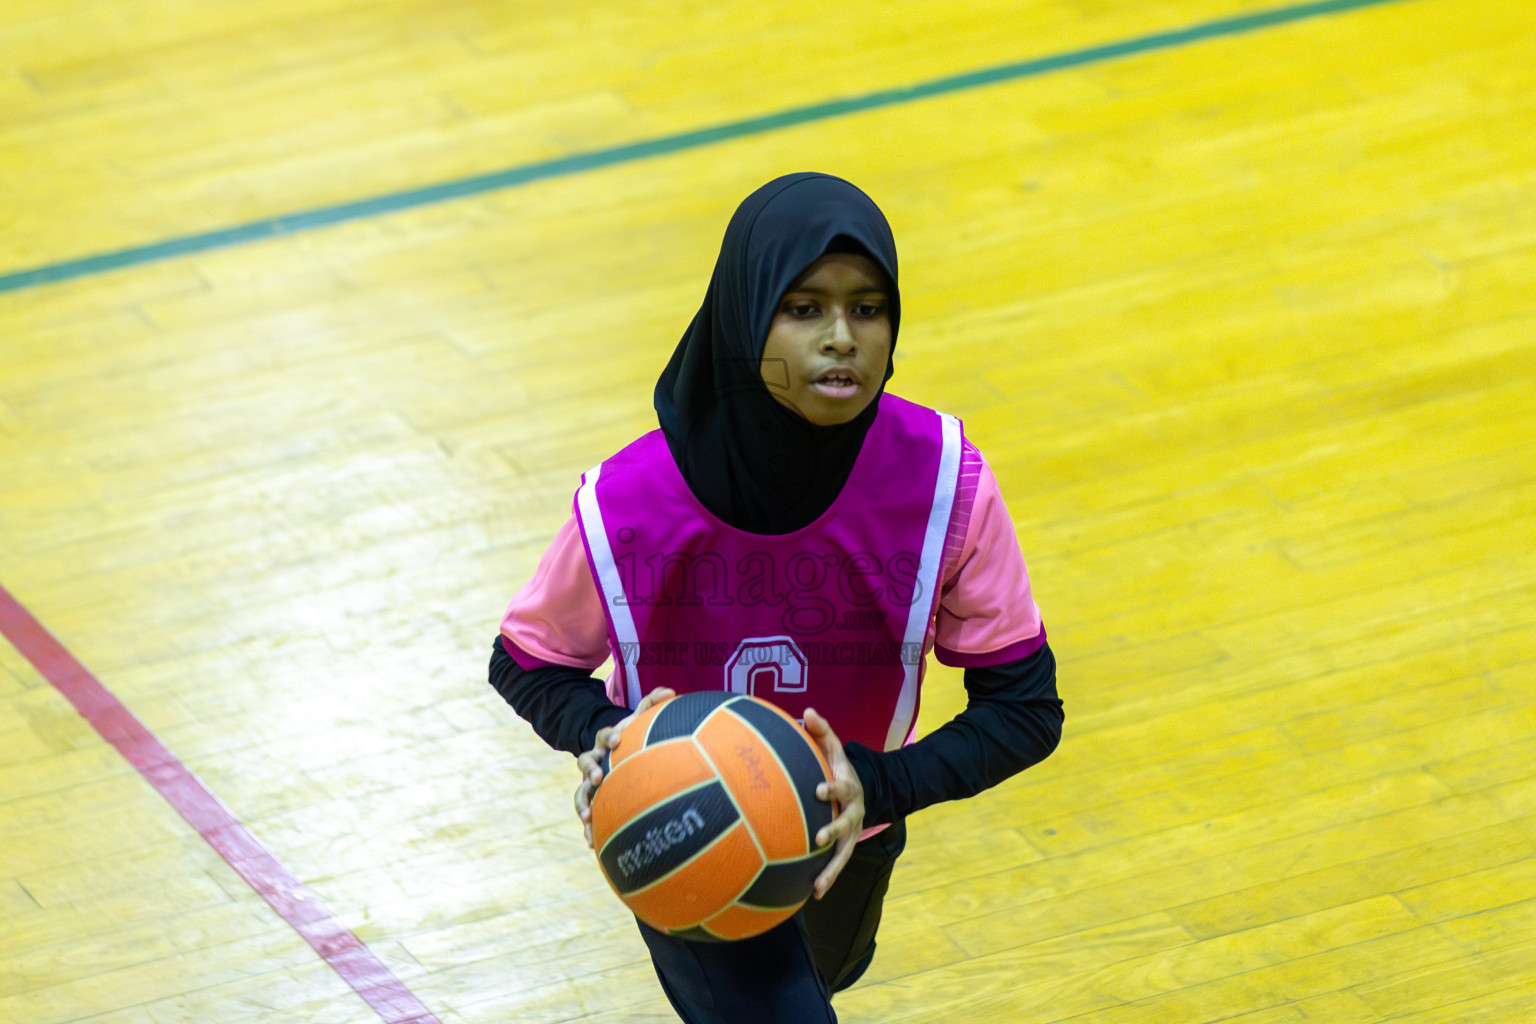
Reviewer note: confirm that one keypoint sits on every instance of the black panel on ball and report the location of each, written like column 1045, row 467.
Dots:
column 682, row 716
column 667, row 836
column 786, row 883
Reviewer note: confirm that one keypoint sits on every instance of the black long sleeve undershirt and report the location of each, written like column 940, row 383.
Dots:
column 1012, row 720
column 565, row 706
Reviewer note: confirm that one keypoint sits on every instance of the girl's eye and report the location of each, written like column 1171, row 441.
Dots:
column 869, row 309
column 800, row 309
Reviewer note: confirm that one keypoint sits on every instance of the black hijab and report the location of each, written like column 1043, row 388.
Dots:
column 752, row 462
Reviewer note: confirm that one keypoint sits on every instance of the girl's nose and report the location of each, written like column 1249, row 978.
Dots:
column 839, row 338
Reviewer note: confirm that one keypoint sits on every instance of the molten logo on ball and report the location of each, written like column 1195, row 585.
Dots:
column 705, row 824
column 658, row 841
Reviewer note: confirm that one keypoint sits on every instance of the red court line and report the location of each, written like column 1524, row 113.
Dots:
column 227, row 834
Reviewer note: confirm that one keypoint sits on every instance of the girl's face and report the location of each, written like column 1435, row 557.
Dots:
column 830, row 340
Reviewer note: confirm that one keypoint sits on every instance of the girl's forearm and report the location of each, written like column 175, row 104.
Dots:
column 565, row 706
column 1012, row 720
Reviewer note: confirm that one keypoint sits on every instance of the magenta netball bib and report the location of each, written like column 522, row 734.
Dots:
column 832, row 616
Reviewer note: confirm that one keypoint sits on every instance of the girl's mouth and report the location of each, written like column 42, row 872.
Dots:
column 835, row 385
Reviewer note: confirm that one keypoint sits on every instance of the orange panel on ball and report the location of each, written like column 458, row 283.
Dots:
column 632, row 736
column 738, row 922
column 763, row 790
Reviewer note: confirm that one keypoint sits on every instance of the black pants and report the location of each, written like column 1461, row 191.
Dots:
column 786, row 975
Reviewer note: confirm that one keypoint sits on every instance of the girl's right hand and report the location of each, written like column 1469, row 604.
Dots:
column 591, row 763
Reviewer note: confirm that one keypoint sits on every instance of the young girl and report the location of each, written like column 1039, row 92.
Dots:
column 794, row 532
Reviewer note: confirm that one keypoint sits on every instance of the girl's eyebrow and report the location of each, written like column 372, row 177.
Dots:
column 803, row 290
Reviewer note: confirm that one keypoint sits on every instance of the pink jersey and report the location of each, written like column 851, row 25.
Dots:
column 917, row 552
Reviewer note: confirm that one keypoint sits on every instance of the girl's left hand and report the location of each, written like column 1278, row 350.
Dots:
column 844, row 788
column 590, row 764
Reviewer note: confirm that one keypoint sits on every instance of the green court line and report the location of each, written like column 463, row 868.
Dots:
column 289, row 224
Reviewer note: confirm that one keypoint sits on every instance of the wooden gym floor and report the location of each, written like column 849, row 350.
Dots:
column 1244, row 317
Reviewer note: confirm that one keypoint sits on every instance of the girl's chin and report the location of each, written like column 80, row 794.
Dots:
column 816, row 408
column 832, row 414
